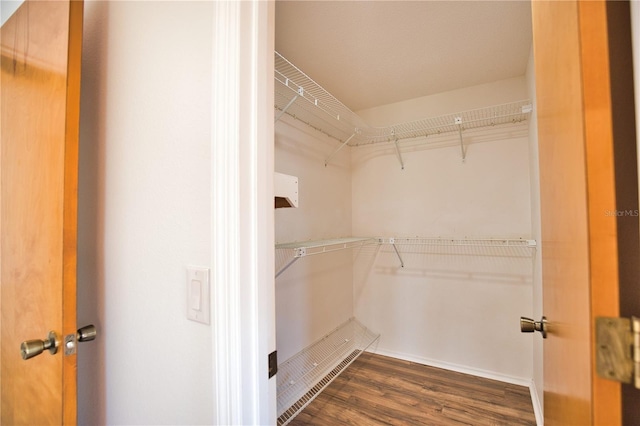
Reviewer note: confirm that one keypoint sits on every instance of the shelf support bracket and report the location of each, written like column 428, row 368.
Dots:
column 458, row 121
column 285, row 267
column 300, row 93
column 392, row 241
column 326, row 162
column 399, row 154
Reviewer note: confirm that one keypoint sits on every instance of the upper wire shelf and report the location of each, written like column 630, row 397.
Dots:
column 299, row 96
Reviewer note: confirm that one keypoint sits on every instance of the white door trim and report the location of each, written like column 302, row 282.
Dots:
column 242, row 235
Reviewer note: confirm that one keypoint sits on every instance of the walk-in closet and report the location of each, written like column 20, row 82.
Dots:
column 406, row 190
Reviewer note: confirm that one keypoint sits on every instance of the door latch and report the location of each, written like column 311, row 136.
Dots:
column 84, row 334
column 618, row 349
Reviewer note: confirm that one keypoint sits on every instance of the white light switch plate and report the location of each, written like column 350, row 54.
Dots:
column 198, row 291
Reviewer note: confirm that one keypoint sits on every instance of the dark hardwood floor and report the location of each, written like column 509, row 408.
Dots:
column 378, row 390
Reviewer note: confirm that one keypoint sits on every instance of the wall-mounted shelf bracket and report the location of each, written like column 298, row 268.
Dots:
column 458, row 122
column 399, row 154
column 285, row 267
column 392, row 241
column 326, row 162
column 284, row 110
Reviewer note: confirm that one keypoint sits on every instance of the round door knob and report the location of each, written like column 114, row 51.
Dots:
column 527, row 325
column 87, row 333
column 31, row 348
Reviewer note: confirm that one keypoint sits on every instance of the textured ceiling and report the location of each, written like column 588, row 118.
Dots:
column 371, row 53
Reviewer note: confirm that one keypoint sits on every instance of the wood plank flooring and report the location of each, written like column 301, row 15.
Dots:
column 378, row 390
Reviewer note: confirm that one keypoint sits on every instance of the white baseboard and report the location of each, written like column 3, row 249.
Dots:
column 521, row 381
column 537, row 406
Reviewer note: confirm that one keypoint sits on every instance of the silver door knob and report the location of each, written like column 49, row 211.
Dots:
column 527, row 325
column 87, row 333
column 31, row 348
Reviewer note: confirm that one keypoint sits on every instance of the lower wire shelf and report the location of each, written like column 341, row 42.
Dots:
column 302, row 377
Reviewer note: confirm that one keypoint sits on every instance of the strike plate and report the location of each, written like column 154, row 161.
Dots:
column 70, row 341
column 618, row 349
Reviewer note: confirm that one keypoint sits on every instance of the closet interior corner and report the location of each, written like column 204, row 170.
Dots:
column 413, row 219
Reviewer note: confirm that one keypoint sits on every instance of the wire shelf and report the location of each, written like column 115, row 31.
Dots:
column 313, row 105
column 299, row 96
column 510, row 113
column 510, row 248
column 487, row 242
column 302, row 377
column 308, row 248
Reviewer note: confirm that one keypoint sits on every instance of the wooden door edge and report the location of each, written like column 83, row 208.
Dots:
column 600, row 164
column 70, row 217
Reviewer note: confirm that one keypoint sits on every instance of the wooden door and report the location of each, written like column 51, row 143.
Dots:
column 582, row 172
column 40, row 95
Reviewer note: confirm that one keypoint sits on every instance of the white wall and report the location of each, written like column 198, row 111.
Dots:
column 458, row 309
column 315, row 294
column 144, row 212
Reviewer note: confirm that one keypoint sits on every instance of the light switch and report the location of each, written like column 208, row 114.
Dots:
column 198, row 290
column 196, row 295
